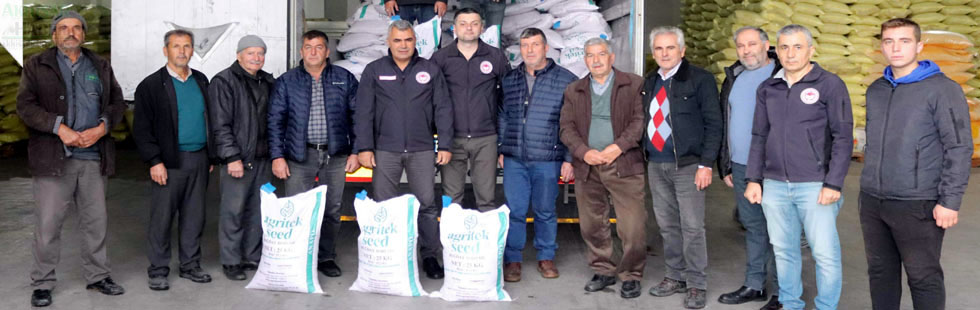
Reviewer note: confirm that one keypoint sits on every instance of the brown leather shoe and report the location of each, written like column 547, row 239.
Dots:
column 547, row 269
column 512, row 272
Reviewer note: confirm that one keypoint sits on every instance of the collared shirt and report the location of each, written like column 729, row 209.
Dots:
column 84, row 93
column 670, row 73
column 177, row 76
column 316, row 131
column 599, row 88
column 742, row 110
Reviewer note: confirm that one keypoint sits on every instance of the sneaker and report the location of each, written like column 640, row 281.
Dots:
column 41, row 298
column 695, row 298
column 106, row 286
column 196, row 275
column 668, row 287
column 631, row 289
column 159, row 283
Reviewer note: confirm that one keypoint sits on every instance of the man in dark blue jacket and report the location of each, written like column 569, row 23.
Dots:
column 530, row 152
column 311, row 134
column 917, row 164
column 683, row 134
column 402, row 101
column 801, row 148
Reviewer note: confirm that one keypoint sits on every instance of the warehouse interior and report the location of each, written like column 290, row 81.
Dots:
column 844, row 31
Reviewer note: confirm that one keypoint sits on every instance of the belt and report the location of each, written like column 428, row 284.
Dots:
column 318, row 147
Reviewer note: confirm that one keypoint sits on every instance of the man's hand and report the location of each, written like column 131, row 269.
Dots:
column 91, row 136
column 567, row 172
column 945, row 218
column 728, row 181
column 236, row 169
column 352, row 164
column 158, row 173
column 366, row 159
column 500, row 161
column 440, row 8
column 280, row 169
column 828, row 196
column 753, row 192
column 443, row 157
column 390, row 7
column 594, row 157
column 611, row 152
column 702, row 178
column 68, row 136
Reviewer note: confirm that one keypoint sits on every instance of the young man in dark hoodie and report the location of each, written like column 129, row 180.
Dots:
column 756, row 63
column 801, row 149
column 917, row 164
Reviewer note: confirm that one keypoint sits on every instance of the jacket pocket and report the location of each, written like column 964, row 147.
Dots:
column 813, row 148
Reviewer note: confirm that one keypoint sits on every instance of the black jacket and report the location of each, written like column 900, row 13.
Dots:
column 695, row 117
column 802, row 133
column 399, row 111
column 919, row 141
column 238, row 109
column 410, row 2
column 731, row 73
column 155, row 118
column 474, row 86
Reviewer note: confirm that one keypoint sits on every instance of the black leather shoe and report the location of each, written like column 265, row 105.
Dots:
column 741, row 296
column 599, row 282
column 196, row 274
column 631, row 289
column 106, row 286
column 432, row 269
column 159, row 283
column 329, row 268
column 233, row 272
column 41, row 298
column 249, row 266
column 773, row 304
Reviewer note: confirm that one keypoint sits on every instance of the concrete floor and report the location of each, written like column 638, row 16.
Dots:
column 128, row 204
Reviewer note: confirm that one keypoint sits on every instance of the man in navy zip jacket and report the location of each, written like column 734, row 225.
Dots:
column 402, row 101
column 917, row 164
column 801, row 149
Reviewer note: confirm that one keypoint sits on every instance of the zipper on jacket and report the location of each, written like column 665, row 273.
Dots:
column 670, row 122
column 789, row 90
column 888, row 109
column 915, row 173
column 404, row 126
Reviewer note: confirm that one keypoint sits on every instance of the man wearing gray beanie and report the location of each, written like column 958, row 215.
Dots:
column 69, row 99
column 238, row 110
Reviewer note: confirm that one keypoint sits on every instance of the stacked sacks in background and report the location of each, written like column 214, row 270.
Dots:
column 11, row 128
column 364, row 41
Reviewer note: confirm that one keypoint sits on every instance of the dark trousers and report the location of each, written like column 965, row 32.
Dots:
column 897, row 233
column 183, row 196
column 240, row 224
column 760, row 261
column 421, row 172
column 420, row 13
column 479, row 157
column 679, row 208
column 82, row 187
column 596, row 194
column 330, row 170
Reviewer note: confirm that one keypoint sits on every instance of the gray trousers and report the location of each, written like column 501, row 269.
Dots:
column 240, row 224
column 420, row 167
column 479, row 157
column 83, row 186
column 679, row 208
column 330, row 170
column 183, row 196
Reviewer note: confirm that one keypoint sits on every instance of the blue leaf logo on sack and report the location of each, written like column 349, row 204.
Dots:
column 287, row 210
column 470, row 222
column 381, row 215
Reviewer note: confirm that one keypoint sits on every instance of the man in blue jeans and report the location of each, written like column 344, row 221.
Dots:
column 530, row 152
column 416, row 11
column 801, row 149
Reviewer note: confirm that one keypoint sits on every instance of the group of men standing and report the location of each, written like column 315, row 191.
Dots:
column 780, row 133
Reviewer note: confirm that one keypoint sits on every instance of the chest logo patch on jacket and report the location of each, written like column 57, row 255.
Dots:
column 810, row 95
column 486, row 67
column 423, row 77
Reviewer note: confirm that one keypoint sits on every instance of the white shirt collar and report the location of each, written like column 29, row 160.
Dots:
column 177, row 76
column 670, row 73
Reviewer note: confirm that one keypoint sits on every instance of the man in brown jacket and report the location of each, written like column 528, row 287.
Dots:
column 69, row 99
column 601, row 124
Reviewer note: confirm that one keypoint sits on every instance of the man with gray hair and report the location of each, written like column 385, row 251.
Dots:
column 800, row 152
column 69, row 99
column 756, row 63
column 238, row 110
column 601, row 124
column 401, row 102
column 171, row 132
column 683, row 134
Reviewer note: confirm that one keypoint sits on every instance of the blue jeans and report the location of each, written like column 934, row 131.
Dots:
column 529, row 183
column 416, row 12
column 492, row 10
column 788, row 206
column 759, row 259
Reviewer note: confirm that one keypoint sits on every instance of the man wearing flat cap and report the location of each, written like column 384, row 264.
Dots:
column 69, row 99
column 238, row 110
